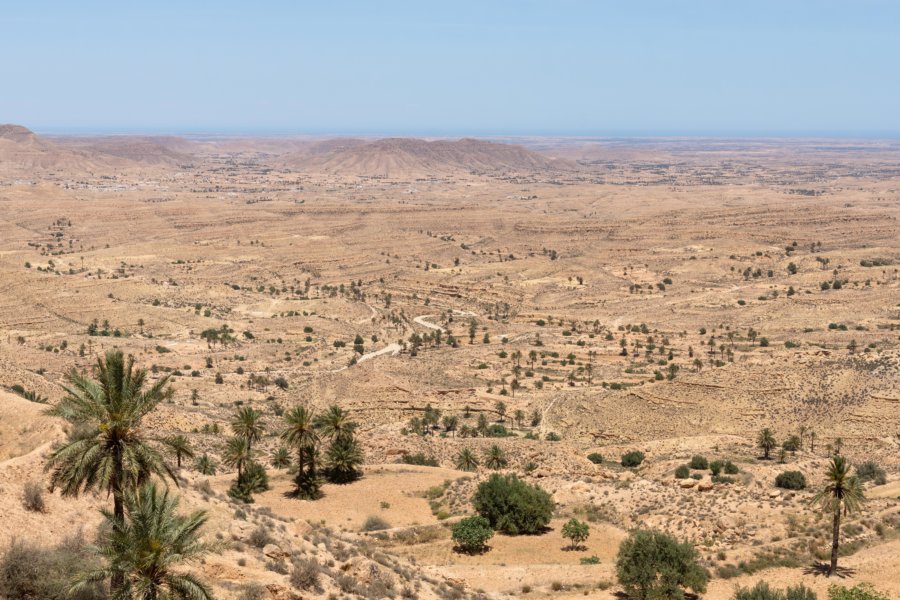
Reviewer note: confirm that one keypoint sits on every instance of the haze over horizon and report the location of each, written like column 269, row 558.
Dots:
column 570, row 68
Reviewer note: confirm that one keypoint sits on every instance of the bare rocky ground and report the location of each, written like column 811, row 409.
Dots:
column 679, row 259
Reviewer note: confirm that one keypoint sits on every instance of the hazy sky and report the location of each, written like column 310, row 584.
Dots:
column 456, row 67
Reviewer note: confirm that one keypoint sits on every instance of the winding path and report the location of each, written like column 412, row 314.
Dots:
column 392, row 349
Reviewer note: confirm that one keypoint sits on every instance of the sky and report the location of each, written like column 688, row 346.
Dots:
column 460, row 67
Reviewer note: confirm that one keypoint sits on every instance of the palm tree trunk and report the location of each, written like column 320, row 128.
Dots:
column 117, row 580
column 299, row 479
column 835, row 538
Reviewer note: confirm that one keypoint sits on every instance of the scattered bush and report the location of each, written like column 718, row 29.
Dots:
column 762, row 591
column 471, row 535
column 652, row 564
column 590, row 560
column 870, row 471
column 595, row 457
column 791, row 480
column 633, row 458
column 33, row 497
column 375, row 523
column 305, row 575
column 731, row 468
column 862, row 591
column 420, row 459
column 511, row 506
column 30, row 572
column 254, row 591
column 699, row 462
column 682, row 472
column 260, row 537
column 715, row 467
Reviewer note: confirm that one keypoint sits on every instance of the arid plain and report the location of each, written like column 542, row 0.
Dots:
column 673, row 297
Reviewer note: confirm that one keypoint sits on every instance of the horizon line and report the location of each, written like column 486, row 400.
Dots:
column 227, row 131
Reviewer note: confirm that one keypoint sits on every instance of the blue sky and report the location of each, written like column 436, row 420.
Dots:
column 616, row 67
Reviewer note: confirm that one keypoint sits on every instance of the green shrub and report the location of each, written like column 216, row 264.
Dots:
column 590, row 560
column 595, row 457
column 791, row 480
column 633, row 458
column 682, row 472
column 762, row 591
column 652, row 564
column 471, row 535
column 699, row 462
column 862, row 591
column 420, row 459
column 576, row 532
column 731, row 468
column 511, row 506
column 715, row 467
column 870, row 471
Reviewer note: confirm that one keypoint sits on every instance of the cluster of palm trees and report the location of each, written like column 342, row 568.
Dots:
column 146, row 540
column 304, row 432
column 494, row 458
column 109, row 451
column 842, row 493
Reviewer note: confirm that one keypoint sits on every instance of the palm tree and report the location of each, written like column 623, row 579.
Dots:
column 281, row 459
column 247, row 424
column 180, row 446
column 450, row 422
column 110, row 452
column 519, row 417
column 842, row 492
column 495, row 458
column 205, row 465
column 301, row 434
column 343, row 458
column 812, row 441
column 147, row 548
column 766, row 441
column 482, row 426
column 335, row 423
column 237, row 454
column 466, row 460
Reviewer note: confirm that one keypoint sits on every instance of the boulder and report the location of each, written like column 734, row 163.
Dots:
column 704, row 486
column 274, row 551
column 687, row 483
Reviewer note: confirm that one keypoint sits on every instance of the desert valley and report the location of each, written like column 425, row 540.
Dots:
column 669, row 335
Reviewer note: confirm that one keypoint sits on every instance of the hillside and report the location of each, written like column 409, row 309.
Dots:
column 23, row 153
column 408, row 157
column 149, row 150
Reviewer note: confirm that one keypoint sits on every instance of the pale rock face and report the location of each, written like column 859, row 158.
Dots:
column 274, row 551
